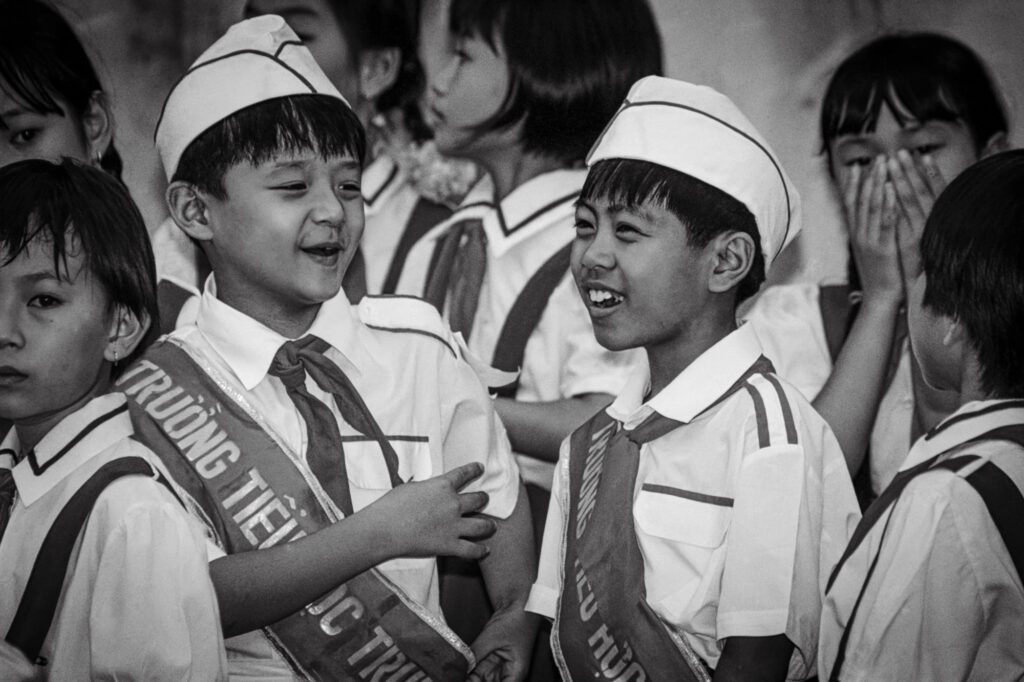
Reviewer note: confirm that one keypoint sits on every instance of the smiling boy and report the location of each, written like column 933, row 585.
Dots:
column 689, row 532
column 319, row 409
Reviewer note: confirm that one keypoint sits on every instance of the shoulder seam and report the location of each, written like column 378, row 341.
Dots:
column 412, row 330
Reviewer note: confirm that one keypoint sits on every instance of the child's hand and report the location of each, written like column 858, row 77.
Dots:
column 869, row 203
column 16, row 667
column 427, row 518
column 504, row 647
column 918, row 183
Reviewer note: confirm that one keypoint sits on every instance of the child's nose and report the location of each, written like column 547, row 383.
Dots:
column 10, row 331
column 442, row 79
column 598, row 253
column 328, row 207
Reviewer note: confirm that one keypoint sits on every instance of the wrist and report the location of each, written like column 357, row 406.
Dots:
column 883, row 302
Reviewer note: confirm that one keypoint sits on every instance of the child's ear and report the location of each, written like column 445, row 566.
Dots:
column 997, row 143
column 188, row 208
column 125, row 333
column 98, row 125
column 732, row 254
column 378, row 71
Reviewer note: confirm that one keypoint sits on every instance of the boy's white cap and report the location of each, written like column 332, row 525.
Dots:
column 698, row 131
column 256, row 60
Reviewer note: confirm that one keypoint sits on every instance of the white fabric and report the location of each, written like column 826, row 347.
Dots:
column 788, row 322
column 713, row 571
column 413, row 385
column 945, row 602
column 695, row 130
column 256, row 60
column 562, row 358
column 137, row 601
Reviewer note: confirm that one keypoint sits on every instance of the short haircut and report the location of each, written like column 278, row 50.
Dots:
column 926, row 76
column 972, row 253
column 571, row 63
column 69, row 203
column 267, row 129
column 41, row 59
column 705, row 210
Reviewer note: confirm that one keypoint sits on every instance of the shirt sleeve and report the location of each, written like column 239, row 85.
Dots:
column 545, row 591
column 154, row 613
column 474, row 433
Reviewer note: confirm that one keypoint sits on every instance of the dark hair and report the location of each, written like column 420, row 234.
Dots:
column 70, row 203
column 972, row 253
column 706, row 211
column 571, row 63
column 262, row 131
column 42, row 59
column 925, row 76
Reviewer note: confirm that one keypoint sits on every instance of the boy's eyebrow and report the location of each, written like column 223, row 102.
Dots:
column 41, row 276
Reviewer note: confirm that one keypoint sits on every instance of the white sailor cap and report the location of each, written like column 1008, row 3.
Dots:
column 256, row 60
column 698, row 131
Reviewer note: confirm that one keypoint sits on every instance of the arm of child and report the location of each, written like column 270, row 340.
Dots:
column 261, row 587
column 754, row 659
column 538, row 429
column 849, row 399
column 504, row 646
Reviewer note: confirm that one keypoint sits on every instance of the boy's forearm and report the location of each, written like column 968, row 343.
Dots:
column 510, row 568
column 849, row 399
column 257, row 588
column 538, row 429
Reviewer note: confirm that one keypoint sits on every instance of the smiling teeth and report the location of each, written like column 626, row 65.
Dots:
column 603, row 296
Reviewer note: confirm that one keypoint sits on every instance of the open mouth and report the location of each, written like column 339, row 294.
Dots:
column 324, row 253
column 603, row 298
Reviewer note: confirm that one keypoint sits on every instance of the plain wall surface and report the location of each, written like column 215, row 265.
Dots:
column 772, row 57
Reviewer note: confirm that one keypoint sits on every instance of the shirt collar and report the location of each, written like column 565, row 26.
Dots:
column 378, row 180
column 73, row 441
column 248, row 347
column 533, row 206
column 970, row 422
column 704, row 382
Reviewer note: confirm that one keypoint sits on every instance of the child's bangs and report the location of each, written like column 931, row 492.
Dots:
column 483, row 18
column 30, row 86
column 626, row 182
column 294, row 125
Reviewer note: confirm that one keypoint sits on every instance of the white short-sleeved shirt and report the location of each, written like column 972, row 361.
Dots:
column 429, row 403
column 788, row 321
column 137, row 600
column 945, row 601
column 740, row 513
column 389, row 200
column 562, row 358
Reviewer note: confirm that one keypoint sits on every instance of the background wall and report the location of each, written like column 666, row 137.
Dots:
column 772, row 57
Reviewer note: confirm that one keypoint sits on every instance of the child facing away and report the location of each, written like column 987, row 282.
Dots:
column 930, row 587
column 693, row 522
column 284, row 410
column 901, row 117
column 103, row 573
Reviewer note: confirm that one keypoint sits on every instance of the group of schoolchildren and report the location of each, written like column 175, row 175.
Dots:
column 327, row 424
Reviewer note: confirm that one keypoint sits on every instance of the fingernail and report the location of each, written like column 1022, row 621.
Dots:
column 903, row 154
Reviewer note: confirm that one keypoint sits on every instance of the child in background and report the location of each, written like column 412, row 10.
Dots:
column 901, row 117
column 693, row 522
column 930, row 586
column 51, row 102
column 514, row 100
column 129, row 596
column 321, row 407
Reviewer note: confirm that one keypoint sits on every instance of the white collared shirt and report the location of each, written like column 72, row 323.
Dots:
column 945, row 601
column 739, row 513
column 137, row 601
column 430, row 404
column 562, row 358
column 788, row 321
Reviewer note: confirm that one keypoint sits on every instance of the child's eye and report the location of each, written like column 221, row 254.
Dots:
column 862, row 161
column 24, row 137
column 291, row 186
column 626, row 232
column 923, row 149
column 350, row 188
column 583, row 227
column 44, row 301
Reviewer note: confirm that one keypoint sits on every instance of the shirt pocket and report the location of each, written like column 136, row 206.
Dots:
column 683, row 516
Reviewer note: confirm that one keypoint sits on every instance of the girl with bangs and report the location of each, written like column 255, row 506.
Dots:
column 902, row 116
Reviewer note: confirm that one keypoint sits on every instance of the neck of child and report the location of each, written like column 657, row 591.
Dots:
column 667, row 360
column 971, row 385
column 510, row 168
column 33, row 429
column 288, row 319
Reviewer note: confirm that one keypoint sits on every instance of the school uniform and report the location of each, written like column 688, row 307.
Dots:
column 561, row 359
column 137, row 601
column 788, row 320
column 739, row 512
column 396, row 216
column 944, row 600
column 431, row 406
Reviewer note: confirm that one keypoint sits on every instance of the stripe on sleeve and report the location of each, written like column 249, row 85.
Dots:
column 775, row 422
